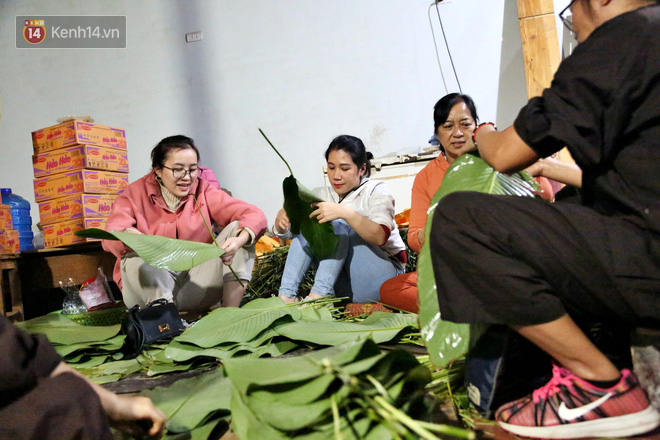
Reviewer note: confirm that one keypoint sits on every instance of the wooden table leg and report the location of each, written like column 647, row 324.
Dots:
column 11, row 302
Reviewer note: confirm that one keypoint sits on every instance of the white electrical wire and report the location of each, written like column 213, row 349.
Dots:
column 451, row 59
column 437, row 55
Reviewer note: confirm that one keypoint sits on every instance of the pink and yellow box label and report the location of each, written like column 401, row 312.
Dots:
column 63, row 233
column 98, row 223
column 76, row 182
column 5, row 217
column 80, row 156
column 75, row 132
column 75, row 207
column 9, row 242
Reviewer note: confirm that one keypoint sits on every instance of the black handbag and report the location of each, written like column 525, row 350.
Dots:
column 158, row 321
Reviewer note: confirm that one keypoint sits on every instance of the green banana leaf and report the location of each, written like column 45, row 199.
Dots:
column 248, row 372
column 161, row 252
column 188, row 402
column 282, row 398
column 179, row 352
column 297, row 204
column 202, row 433
column 97, row 347
column 379, row 326
column 88, row 362
column 60, row 330
column 446, row 340
column 232, row 324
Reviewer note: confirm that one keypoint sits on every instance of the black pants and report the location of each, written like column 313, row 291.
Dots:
column 521, row 261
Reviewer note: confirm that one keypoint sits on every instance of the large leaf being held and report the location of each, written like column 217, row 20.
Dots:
column 445, row 340
column 162, row 252
column 297, row 204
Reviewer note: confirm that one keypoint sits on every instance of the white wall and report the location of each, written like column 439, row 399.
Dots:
column 304, row 71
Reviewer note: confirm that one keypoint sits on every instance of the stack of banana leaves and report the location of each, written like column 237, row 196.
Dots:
column 350, row 391
column 93, row 349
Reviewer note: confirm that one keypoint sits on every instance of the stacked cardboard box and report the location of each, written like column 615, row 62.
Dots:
column 80, row 168
column 8, row 236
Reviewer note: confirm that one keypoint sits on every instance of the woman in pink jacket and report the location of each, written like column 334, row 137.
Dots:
column 162, row 203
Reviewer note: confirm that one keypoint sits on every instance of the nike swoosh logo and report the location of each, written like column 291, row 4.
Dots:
column 573, row 413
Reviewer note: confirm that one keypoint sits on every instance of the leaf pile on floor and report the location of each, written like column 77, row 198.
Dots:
column 194, row 406
column 351, row 391
column 263, row 327
column 83, row 347
column 268, row 326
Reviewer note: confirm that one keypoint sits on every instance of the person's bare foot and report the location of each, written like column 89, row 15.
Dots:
column 289, row 300
column 313, row 296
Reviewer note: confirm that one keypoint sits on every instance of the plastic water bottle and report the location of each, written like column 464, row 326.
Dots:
column 20, row 217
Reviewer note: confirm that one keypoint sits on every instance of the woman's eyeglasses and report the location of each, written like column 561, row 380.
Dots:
column 566, row 16
column 180, row 173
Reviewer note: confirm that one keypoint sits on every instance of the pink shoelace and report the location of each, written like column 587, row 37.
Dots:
column 560, row 376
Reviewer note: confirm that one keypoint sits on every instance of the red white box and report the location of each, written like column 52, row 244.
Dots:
column 77, row 182
column 76, row 132
column 63, row 234
column 5, row 217
column 78, row 157
column 9, row 242
column 74, row 207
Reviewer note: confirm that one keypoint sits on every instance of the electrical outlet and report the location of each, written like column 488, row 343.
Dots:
column 191, row 37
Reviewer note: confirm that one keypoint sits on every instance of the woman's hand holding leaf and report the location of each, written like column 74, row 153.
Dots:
column 233, row 244
column 282, row 223
column 421, row 236
column 326, row 212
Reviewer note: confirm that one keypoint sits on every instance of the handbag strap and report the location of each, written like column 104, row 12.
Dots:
column 157, row 302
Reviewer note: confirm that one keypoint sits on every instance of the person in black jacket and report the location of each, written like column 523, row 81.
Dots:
column 534, row 266
column 42, row 398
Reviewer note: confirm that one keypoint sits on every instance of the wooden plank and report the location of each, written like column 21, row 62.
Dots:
column 11, row 303
column 540, row 52
column 532, row 8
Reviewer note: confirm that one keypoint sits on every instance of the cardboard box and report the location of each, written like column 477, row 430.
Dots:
column 78, row 157
column 76, row 182
column 9, row 243
column 62, row 234
column 5, row 217
column 75, row 132
column 73, row 207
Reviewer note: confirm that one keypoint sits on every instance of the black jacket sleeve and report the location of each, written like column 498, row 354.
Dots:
column 24, row 359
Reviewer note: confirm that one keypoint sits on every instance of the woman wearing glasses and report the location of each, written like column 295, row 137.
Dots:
column 173, row 200
column 535, row 266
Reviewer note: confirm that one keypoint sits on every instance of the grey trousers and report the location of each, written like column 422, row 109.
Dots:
column 194, row 290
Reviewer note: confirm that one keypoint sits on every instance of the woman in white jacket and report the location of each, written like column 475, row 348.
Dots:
column 369, row 250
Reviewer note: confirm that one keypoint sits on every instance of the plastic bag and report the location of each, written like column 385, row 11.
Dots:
column 96, row 293
column 72, row 304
